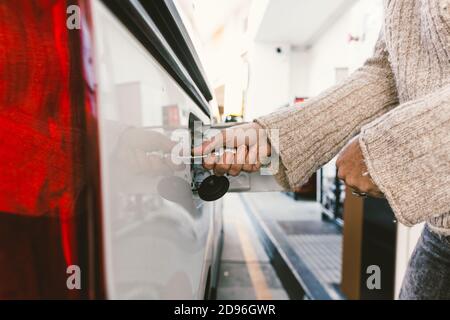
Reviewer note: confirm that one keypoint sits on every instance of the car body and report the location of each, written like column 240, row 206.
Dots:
column 87, row 114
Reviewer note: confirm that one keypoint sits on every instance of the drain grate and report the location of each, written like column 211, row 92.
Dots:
column 321, row 254
column 318, row 245
column 307, row 228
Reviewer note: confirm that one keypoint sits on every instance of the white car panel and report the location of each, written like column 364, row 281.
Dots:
column 157, row 246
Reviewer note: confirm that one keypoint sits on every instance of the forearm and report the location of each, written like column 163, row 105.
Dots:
column 312, row 134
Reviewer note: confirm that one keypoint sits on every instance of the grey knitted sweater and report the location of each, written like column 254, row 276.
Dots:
column 398, row 103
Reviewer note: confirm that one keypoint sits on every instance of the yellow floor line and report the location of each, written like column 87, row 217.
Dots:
column 257, row 277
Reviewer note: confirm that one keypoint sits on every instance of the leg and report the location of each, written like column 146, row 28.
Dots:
column 428, row 273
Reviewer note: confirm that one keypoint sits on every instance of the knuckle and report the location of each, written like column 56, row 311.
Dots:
column 208, row 166
column 368, row 188
column 351, row 182
column 364, row 188
column 233, row 173
column 221, row 168
column 235, row 168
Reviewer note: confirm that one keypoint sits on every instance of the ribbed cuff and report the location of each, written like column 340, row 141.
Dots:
column 436, row 228
column 291, row 173
column 375, row 169
column 281, row 175
column 406, row 153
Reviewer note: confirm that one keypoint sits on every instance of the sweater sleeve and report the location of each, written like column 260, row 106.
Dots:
column 407, row 152
column 312, row 134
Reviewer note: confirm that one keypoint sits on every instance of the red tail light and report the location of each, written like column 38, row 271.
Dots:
column 49, row 186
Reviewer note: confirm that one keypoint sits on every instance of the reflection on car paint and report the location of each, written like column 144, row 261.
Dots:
column 158, row 233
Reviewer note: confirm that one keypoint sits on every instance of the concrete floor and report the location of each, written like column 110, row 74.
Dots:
column 314, row 246
column 246, row 272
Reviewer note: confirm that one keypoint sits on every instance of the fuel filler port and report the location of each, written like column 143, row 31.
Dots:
column 213, row 188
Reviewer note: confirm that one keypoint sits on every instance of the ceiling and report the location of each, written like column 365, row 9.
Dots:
column 299, row 22
column 210, row 15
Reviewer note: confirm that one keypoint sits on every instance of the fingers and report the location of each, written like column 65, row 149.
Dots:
column 209, row 162
column 224, row 164
column 225, row 138
column 253, row 160
column 234, row 137
column 359, row 183
column 244, row 139
column 248, row 166
column 234, row 163
column 239, row 160
column 351, row 168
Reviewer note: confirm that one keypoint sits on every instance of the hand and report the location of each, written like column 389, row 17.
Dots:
column 250, row 143
column 353, row 171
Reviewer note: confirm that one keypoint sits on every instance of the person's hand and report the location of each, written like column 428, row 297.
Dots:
column 353, row 171
column 250, row 143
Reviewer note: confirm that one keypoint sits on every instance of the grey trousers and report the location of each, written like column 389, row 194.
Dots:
column 428, row 273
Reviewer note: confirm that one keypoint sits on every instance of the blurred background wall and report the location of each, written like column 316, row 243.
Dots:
column 261, row 55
